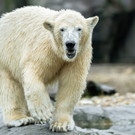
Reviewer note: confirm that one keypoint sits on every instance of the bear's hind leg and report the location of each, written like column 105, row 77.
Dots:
column 13, row 102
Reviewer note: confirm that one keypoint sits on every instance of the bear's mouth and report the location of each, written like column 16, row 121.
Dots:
column 71, row 53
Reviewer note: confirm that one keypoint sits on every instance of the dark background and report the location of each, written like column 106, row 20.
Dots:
column 114, row 36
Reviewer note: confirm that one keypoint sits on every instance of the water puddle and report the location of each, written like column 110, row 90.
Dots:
column 100, row 124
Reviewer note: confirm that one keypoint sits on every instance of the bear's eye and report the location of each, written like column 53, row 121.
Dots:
column 62, row 29
column 79, row 29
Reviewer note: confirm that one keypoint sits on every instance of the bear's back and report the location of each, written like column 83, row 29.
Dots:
column 26, row 23
column 20, row 31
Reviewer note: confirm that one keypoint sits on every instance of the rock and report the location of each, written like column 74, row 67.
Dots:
column 120, row 114
column 119, row 120
column 98, row 132
column 91, row 117
column 123, row 118
column 116, row 116
column 43, row 130
column 126, row 129
column 107, row 90
column 94, row 89
column 33, row 130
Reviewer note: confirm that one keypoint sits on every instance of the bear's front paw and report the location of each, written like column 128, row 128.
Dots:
column 41, row 113
column 64, row 126
column 20, row 122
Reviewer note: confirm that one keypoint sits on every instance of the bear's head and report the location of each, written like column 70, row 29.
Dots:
column 71, row 33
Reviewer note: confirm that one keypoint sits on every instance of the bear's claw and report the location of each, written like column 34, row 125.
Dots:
column 61, row 126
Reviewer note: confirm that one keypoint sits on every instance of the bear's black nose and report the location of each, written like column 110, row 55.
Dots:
column 70, row 45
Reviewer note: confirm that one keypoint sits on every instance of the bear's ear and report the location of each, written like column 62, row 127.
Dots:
column 92, row 21
column 48, row 25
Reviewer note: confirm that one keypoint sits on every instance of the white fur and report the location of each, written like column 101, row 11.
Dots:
column 32, row 56
column 70, row 35
column 21, row 122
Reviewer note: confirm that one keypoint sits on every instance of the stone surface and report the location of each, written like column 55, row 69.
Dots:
column 34, row 130
column 112, row 120
column 99, row 121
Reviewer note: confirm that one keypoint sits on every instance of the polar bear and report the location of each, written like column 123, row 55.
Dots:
column 37, row 47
